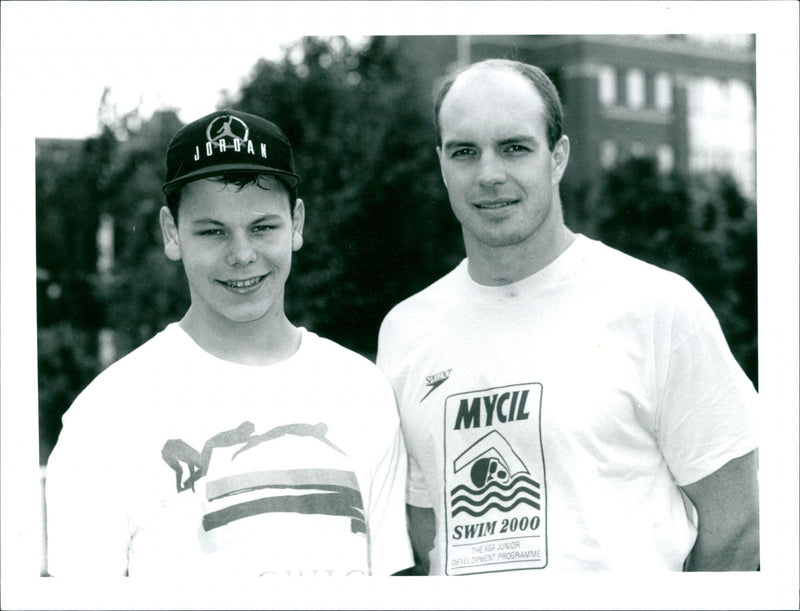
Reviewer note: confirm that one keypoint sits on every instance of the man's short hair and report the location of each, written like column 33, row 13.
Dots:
column 547, row 90
column 240, row 180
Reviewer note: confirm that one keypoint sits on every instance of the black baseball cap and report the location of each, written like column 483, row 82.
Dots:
column 229, row 141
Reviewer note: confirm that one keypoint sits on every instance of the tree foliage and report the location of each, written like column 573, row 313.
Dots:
column 117, row 174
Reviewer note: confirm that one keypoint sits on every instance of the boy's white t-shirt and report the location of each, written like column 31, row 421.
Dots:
column 176, row 462
column 550, row 422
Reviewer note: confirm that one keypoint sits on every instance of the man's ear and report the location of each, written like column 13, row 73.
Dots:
column 298, row 222
column 441, row 166
column 560, row 157
column 169, row 231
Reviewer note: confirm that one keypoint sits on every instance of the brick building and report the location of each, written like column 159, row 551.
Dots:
column 688, row 101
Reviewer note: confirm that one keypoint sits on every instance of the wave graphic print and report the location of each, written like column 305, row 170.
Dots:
column 477, row 501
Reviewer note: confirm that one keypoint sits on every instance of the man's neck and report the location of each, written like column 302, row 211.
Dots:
column 498, row 266
column 262, row 342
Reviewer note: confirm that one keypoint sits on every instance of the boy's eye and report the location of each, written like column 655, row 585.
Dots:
column 260, row 228
column 210, row 232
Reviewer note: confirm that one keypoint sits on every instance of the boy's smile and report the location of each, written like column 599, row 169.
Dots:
column 242, row 285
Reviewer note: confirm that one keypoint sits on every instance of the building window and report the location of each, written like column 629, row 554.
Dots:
column 635, row 88
column 663, row 91
column 729, row 41
column 607, row 85
column 666, row 158
column 608, row 153
column 721, row 129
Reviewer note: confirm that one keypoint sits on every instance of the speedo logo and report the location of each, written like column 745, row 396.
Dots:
column 435, row 381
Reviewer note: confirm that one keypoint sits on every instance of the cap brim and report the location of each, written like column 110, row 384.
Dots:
column 289, row 179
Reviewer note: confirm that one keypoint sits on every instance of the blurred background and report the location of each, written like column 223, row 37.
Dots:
column 662, row 167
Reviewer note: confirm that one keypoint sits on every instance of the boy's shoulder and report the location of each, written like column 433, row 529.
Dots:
column 343, row 371
column 152, row 355
column 137, row 373
column 333, row 354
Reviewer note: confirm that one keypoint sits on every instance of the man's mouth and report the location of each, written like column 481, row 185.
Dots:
column 494, row 204
column 243, row 284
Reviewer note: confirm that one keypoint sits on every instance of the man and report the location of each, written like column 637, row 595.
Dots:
column 232, row 443
column 565, row 406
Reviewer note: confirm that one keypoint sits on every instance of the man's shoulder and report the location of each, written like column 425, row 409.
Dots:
column 626, row 283
column 613, row 265
column 430, row 301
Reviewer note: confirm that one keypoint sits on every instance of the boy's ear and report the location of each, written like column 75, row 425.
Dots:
column 298, row 221
column 169, row 231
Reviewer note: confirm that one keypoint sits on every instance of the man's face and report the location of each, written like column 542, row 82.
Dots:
column 501, row 177
column 236, row 247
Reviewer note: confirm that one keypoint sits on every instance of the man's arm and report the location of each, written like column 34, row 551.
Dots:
column 727, row 510
column 422, row 529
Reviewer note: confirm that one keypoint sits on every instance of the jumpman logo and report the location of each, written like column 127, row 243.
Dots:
column 224, row 127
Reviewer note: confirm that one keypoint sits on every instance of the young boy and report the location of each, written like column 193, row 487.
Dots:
column 233, row 442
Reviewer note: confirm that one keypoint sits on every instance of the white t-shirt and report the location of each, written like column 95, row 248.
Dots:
column 549, row 423
column 175, row 462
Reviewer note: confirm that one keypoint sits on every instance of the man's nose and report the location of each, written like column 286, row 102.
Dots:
column 241, row 251
column 491, row 171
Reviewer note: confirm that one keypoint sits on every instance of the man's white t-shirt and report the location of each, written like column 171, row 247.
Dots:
column 176, row 462
column 550, row 422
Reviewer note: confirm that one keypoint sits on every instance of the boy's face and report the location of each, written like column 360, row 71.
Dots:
column 236, row 247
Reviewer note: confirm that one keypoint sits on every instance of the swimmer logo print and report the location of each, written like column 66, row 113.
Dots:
column 495, row 491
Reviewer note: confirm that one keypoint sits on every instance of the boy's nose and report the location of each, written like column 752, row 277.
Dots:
column 241, row 251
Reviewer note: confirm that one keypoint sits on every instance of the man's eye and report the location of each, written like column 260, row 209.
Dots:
column 262, row 228
column 462, row 153
column 517, row 148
